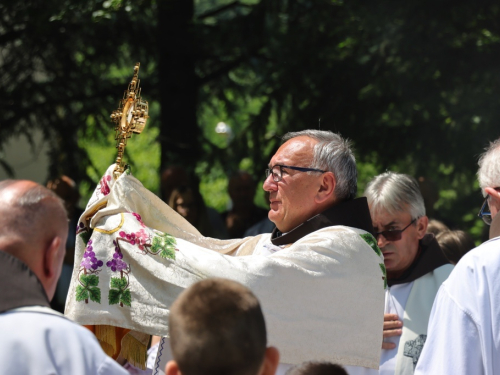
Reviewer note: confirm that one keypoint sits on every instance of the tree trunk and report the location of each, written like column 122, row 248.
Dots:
column 179, row 132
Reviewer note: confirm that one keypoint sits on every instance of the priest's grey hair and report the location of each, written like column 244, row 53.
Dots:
column 489, row 167
column 334, row 154
column 395, row 192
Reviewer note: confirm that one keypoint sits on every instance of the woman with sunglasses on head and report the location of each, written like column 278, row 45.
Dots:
column 415, row 266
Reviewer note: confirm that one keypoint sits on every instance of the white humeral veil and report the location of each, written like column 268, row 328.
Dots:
column 322, row 296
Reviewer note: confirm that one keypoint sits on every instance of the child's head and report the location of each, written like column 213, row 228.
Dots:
column 455, row 244
column 216, row 326
column 317, row 368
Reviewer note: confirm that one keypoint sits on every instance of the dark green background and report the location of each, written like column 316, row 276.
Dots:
column 414, row 84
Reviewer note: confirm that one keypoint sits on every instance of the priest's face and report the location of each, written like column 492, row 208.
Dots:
column 400, row 253
column 292, row 200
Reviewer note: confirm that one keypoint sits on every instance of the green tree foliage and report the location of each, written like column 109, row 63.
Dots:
column 414, row 84
column 62, row 71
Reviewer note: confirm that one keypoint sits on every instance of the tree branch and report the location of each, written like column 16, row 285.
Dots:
column 223, row 8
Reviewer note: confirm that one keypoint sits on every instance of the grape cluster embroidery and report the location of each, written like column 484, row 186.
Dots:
column 89, row 281
column 103, row 184
column 158, row 243
column 119, row 293
column 117, row 264
column 89, row 261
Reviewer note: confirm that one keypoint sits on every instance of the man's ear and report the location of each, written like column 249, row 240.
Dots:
column 52, row 258
column 327, row 186
column 494, row 195
column 52, row 264
column 172, row 369
column 422, row 224
column 271, row 361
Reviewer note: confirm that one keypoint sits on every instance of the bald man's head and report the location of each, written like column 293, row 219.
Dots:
column 33, row 228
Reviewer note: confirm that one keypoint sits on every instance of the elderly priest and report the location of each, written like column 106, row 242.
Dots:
column 319, row 276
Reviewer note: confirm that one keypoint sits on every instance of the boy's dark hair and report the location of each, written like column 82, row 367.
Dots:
column 216, row 326
column 317, row 368
column 455, row 244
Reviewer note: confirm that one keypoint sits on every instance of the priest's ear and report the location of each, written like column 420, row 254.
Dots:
column 326, row 189
column 422, row 224
column 172, row 369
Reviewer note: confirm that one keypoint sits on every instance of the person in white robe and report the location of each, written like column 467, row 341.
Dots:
column 34, row 338
column 319, row 276
column 464, row 328
column 415, row 265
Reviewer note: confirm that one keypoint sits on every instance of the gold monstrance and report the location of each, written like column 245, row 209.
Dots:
column 130, row 117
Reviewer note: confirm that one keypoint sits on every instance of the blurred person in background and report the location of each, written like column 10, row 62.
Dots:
column 66, row 189
column 206, row 219
column 188, row 202
column 436, row 226
column 244, row 213
column 455, row 244
column 263, row 226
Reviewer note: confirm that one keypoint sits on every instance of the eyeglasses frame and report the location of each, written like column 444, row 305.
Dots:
column 400, row 231
column 269, row 171
column 486, row 216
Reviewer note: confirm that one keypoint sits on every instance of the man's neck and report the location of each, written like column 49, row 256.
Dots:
column 20, row 286
column 495, row 227
column 429, row 257
column 353, row 213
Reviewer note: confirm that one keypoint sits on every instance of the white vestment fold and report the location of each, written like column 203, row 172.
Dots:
column 322, row 296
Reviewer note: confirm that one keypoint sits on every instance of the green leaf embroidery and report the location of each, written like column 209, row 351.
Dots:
column 95, row 294
column 81, row 293
column 164, row 244
column 85, row 235
column 382, row 267
column 89, row 289
column 118, row 283
column 168, row 253
column 370, row 240
column 114, row 296
column 90, row 280
column 126, row 298
column 384, row 271
column 119, row 293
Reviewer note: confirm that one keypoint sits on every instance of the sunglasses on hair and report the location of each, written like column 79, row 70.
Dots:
column 393, row 235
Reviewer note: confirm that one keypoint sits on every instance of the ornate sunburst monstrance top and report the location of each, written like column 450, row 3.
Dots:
column 130, row 117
